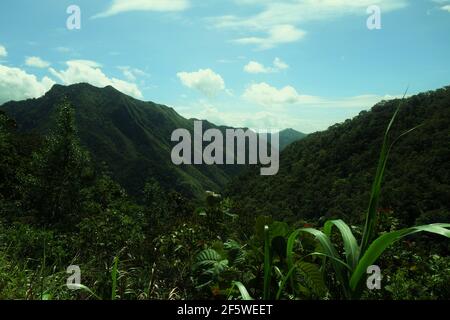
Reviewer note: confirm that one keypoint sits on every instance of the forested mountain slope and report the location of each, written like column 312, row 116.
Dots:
column 130, row 136
column 330, row 173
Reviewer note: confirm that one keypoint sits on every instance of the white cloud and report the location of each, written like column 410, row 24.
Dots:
column 204, row 80
column 364, row 101
column 63, row 49
column 279, row 64
column 276, row 35
column 3, row 52
column 131, row 74
column 263, row 120
column 36, row 62
column 256, row 67
column 446, row 8
column 16, row 84
column 90, row 71
column 299, row 11
column 287, row 15
column 298, row 117
column 265, row 95
column 259, row 120
column 119, row 6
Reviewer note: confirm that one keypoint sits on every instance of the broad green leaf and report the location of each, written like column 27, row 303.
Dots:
column 279, row 246
column 350, row 244
column 47, row 296
column 328, row 250
column 278, row 229
column 383, row 242
column 312, row 275
column 210, row 260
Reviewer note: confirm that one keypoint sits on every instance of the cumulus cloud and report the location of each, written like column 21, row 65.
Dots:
column 119, row 6
column 256, row 67
column 36, row 62
column 446, row 8
column 265, row 95
column 90, row 71
column 204, row 80
column 3, row 52
column 16, row 84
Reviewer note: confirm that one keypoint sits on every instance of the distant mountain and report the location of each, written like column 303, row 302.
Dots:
column 131, row 136
column 330, row 173
column 288, row 136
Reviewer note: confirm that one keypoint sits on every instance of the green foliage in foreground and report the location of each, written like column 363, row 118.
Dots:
column 164, row 248
column 358, row 257
column 348, row 272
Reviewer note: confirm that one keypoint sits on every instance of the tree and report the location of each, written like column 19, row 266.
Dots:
column 62, row 168
column 156, row 206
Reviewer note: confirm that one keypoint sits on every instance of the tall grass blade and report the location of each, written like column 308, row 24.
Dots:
column 82, row 287
column 242, row 290
column 267, row 264
column 283, row 282
column 114, row 278
column 371, row 215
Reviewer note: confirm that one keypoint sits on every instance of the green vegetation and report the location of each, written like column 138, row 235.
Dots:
column 329, row 174
column 127, row 137
column 60, row 206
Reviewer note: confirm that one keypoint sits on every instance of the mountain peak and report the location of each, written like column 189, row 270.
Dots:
column 81, row 86
column 288, row 136
column 131, row 136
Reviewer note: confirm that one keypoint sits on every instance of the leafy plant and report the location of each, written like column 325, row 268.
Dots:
column 306, row 275
column 349, row 271
column 210, row 264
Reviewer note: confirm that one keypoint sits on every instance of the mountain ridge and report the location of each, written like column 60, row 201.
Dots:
column 131, row 136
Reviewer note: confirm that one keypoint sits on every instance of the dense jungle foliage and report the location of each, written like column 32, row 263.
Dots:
column 269, row 238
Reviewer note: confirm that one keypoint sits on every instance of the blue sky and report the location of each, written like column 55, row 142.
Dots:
column 264, row 64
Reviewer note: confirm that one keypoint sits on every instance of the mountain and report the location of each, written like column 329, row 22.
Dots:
column 130, row 136
column 288, row 136
column 329, row 173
